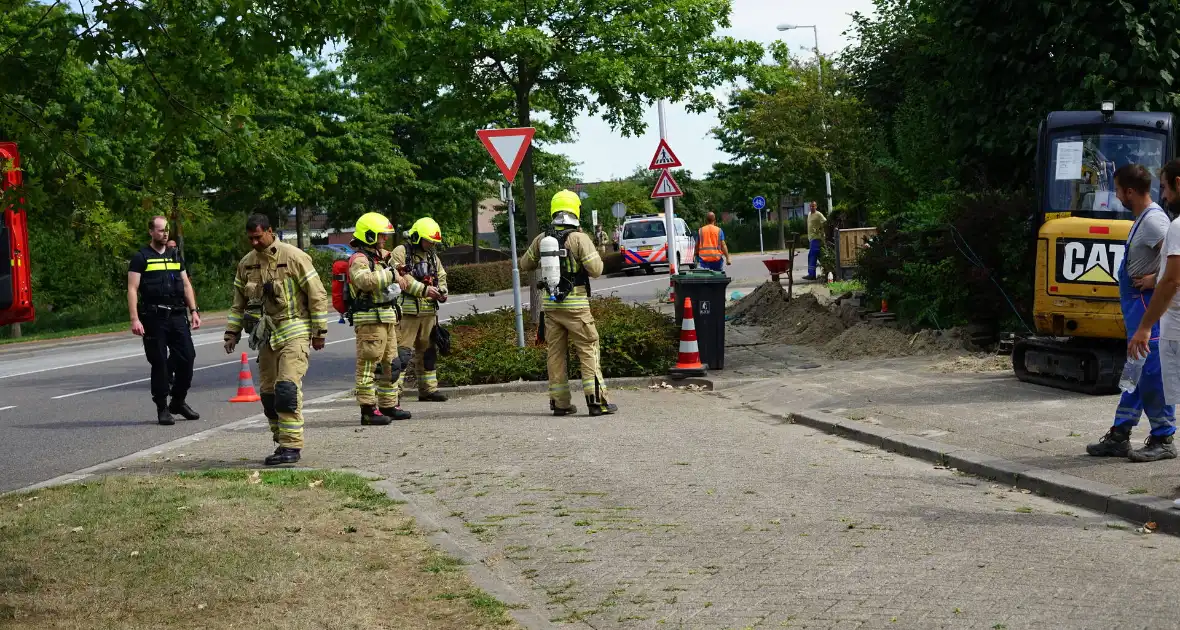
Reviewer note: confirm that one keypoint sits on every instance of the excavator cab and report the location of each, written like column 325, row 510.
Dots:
column 16, row 292
column 1081, row 233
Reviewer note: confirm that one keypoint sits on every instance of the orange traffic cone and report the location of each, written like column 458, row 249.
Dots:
column 246, row 391
column 689, row 362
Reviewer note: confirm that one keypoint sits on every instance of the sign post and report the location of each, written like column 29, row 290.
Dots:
column 759, row 204
column 666, row 189
column 507, row 148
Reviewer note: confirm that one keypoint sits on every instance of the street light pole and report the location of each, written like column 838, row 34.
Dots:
column 819, row 60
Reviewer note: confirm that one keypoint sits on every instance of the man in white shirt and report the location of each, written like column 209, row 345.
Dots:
column 1132, row 185
column 1164, row 307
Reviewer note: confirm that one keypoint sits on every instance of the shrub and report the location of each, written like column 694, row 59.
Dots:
column 482, row 278
column 942, row 261
column 634, row 340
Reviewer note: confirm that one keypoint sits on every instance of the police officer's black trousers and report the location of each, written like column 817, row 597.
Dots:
column 168, row 343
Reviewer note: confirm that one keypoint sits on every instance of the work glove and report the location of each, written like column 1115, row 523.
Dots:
column 231, row 341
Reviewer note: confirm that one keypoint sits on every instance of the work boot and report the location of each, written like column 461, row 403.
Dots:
column 563, row 411
column 163, row 416
column 432, row 397
column 180, row 407
column 1154, row 449
column 282, row 455
column 397, row 413
column 370, row 418
column 600, row 408
column 1116, row 443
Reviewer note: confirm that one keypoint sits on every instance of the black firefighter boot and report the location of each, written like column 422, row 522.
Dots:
column 562, row 411
column 178, row 406
column 368, row 418
column 163, row 416
column 395, row 412
column 282, row 455
column 599, row 406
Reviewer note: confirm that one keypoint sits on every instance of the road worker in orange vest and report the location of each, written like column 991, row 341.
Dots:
column 711, row 245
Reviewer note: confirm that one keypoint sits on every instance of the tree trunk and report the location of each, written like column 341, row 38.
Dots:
column 177, row 233
column 302, row 238
column 475, row 231
column 524, row 116
column 782, row 226
column 16, row 330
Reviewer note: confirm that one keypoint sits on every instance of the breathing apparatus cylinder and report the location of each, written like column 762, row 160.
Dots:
column 550, row 265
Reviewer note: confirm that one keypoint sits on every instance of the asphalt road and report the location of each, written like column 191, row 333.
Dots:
column 67, row 406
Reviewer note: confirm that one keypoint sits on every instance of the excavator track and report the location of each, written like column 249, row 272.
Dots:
column 1076, row 365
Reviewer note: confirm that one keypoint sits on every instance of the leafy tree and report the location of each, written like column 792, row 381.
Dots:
column 558, row 58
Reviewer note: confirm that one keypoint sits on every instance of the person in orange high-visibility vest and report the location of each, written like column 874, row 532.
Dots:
column 711, row 245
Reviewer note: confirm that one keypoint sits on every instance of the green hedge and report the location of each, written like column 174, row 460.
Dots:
column 481, row 278
column 944, row 259
column 635, row 340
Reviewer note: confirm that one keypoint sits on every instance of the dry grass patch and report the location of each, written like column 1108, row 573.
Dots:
column 227, row 549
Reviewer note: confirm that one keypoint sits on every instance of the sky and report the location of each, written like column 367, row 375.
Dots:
column 604, row 154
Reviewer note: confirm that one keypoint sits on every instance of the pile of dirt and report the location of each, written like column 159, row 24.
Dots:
column 804, row 322
column 764, row 305
column 877, row 340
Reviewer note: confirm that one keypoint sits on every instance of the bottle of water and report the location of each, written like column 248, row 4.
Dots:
column 1132, row 370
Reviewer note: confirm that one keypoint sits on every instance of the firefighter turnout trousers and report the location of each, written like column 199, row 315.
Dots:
column 573, row 327
column 414, row 332
column 376, row 344
column 281, row 374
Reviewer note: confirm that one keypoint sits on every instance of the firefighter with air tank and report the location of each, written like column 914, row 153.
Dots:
column 568, row 259
column 418, row 331
column 374, row 285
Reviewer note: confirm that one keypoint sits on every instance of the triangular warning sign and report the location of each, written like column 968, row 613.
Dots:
column 666, row 186
column 507, row 146
column 1096, row 274
column 664, row 157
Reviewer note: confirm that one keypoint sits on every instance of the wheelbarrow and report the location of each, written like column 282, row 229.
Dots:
column 777, row 266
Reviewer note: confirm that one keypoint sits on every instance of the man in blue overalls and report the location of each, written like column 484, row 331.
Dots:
column 1137, row 275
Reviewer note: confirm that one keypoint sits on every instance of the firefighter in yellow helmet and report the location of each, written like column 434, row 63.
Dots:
column 568, row 320
column 373, row 286
column 419, row 304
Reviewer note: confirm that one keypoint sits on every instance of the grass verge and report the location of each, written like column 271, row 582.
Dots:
column 220, row 549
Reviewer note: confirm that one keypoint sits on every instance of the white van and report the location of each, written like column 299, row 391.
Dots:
column 644, row 243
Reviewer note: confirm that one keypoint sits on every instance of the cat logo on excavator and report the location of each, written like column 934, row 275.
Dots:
column 1089, row 261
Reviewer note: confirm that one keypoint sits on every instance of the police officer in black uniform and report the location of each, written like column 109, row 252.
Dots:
column 161, row 300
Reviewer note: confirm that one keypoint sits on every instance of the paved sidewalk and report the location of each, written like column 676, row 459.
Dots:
column 687, row 510
column 992, row 413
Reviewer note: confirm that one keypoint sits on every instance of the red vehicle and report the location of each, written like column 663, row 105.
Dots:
column 16, row 280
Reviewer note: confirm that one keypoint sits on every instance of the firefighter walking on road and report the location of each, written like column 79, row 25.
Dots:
column 373, row 285
column 568, row 320
column 161, row 301
column 417, row 331
column 280, row 302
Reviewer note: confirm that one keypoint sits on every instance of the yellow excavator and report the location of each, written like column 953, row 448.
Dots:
column 1081, row 235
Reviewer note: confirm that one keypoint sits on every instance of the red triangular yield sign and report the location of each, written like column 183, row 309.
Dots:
column 666, row 186
column 507, row 147
column 664, row 157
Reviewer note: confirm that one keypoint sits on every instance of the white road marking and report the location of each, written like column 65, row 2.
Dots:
column 8, row 407
column 144, row 380
column 116, row 358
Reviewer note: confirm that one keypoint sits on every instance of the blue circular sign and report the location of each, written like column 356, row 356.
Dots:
column 759, row 202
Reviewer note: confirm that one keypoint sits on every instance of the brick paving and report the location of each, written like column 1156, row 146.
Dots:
column 691, row 510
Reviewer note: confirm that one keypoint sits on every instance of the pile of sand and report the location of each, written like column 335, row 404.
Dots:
column 881, row 340
column 976, row 363
column 764, row 305
column 804, row 322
